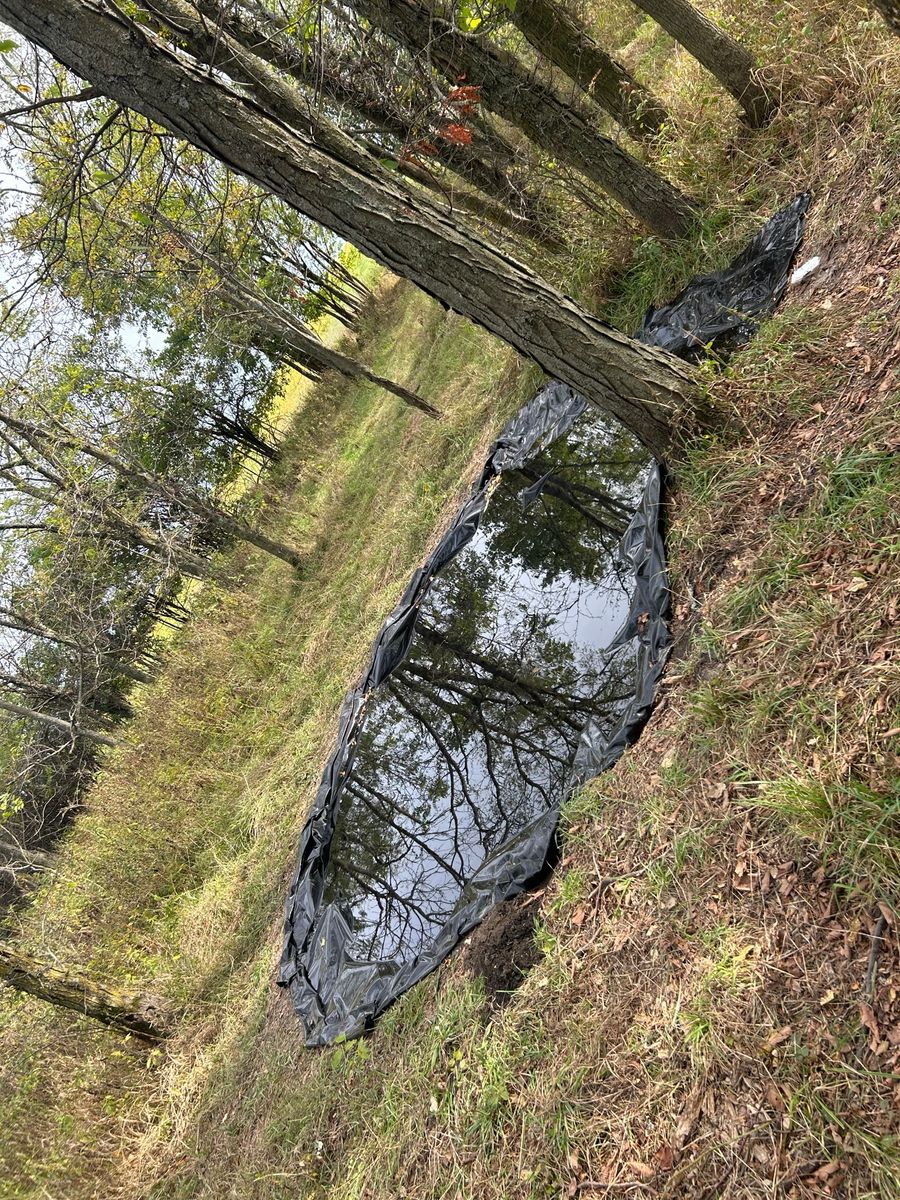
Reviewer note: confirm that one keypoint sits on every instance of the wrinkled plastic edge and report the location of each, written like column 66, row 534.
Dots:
column 708, row 311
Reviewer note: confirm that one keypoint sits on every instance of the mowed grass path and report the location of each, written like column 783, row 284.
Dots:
column 172, row 879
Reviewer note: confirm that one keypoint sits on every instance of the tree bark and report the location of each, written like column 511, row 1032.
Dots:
column 75, row 731
column 479, row 163
column 890, row 10
column 512, row 92
column 141, row 1016
column 731, row 63
column 565, row 42
column 15, row 858
column 646, row 389
column 507, row 88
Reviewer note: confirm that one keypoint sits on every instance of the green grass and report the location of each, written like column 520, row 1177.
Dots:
column 856, row 827
column 172, row 879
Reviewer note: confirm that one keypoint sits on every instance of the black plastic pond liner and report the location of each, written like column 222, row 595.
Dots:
column 721, row 310
column 521, row 661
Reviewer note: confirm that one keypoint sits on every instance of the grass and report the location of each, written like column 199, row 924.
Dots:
column 696, row 1024
column 172, row 879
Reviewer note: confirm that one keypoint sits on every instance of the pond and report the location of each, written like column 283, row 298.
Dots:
column 521, row 662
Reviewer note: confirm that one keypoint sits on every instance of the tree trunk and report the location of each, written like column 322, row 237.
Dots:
column 507, row 88
column 124, row 1011
column 477, row 203
column 276, row 325
column 733, row 65
column 533, row 213
column 110, row 525
column 16, row 859
column 20, row 685
column 512, row 92
column 479, row 163
column 890, row 10
column 75, row 731
column 216, row 517
column 118, row 667
column 648, row 390
column 562, row 39
column 241, row 433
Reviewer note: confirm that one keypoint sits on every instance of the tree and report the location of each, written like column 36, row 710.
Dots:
column 74, row 506
column 143, row 1017
column 890, row 10
column 279, row 331
column 311, row 170
column 554, row 32
column 417, row 128
column 68, row 727
column 512, row 92
column 12, row 618
column 55, row 438
column 15, row 858
column 731, row 63
column 123, row 255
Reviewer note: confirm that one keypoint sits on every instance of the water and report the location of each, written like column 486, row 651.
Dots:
column 461, row 757
column 537, row 648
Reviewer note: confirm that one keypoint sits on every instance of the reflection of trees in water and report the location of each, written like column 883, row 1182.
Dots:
column 588, row 486
column 473, row 735
column 469, row 739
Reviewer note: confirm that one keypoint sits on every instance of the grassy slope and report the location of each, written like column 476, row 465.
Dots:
column 694, row 1026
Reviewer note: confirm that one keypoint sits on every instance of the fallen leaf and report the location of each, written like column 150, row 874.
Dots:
column 867, row 1018
column 829, row 1169
column 773, row 1095
column 779, row 1036
column 665, row 1157
column 579, row 915
column 640, row 1169
column 827, row 998
column 688, row 1119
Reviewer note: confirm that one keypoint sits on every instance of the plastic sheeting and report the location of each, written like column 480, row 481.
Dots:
column 721, row 310
column 521, row 661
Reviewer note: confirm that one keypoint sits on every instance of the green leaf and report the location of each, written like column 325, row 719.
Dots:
column 7, row 45
column 469, row 17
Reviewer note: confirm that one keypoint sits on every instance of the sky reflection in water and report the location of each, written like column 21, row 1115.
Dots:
column 472, row 737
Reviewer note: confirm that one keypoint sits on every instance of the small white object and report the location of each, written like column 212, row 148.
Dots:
column 804, row 271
